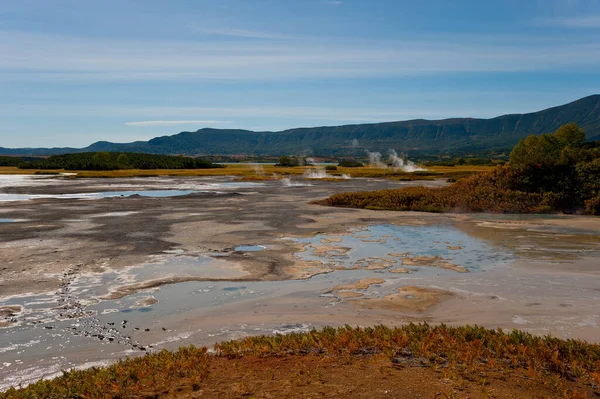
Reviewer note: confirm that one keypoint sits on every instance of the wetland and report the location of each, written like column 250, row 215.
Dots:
column 97, row 269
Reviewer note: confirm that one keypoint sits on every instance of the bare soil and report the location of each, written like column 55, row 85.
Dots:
column 354, row 377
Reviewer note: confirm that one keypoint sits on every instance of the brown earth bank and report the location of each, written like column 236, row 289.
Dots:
column 357, row 377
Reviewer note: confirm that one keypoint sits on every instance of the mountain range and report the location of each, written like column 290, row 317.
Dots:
column 419, row 136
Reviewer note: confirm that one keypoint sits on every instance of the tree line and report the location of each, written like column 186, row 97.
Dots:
column 116, row 161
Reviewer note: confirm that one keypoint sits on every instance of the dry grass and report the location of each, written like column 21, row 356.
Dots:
column 484, row 192
column 248, row 171
column 469, row 355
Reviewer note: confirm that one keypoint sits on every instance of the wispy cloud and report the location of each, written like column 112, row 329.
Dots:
column 170, row 123
column 28, row 57
column 583, row 21
column 311, row 114
column 241, row 33
column 335, row 2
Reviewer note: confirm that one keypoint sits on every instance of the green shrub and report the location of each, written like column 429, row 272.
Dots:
column 592, row 206
column 288, row 161
column 115, row 161
column 350, row 163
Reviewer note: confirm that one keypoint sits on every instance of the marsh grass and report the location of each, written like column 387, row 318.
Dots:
column 268, row 171
column 468, row 354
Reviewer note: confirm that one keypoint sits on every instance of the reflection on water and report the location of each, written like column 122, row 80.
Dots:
column 158, row 187
column 392, row 244
column 530, row 240
column 249, row 248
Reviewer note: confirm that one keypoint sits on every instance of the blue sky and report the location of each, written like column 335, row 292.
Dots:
column 76, row 71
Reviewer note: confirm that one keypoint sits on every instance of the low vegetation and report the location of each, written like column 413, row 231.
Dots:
column 288, row 161
column 16, row 161
column 350, row 163
column 459, row 161
column 268, row 172
column 117, row 161
column 472, row 355
column 556, row 172
column 131, row 378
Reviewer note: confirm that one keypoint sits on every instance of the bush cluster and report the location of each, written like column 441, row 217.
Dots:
column 350, row 163
column 288, row 161
column 141, row 377
column 556, row 172
column 460, row 161
column 16, row 161
column 116, row 161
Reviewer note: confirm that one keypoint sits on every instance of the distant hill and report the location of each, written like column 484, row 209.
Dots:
column 417, row 136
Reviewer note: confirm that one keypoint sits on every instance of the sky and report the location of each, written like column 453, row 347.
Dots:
column 73, row 72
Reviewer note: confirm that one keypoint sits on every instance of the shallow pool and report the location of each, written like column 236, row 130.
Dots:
column 98, row 195
column 249, row 248
column 415, row 247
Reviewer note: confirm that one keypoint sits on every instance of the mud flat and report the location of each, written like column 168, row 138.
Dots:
column 359, row 285
column 408, row 299
column 89, row 280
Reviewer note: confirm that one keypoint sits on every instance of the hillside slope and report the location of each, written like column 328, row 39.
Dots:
column 413, row 136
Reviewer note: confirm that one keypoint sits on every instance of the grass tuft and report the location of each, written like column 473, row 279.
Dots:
column 464, row 353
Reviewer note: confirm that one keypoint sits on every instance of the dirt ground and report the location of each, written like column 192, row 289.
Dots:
column 366, row 377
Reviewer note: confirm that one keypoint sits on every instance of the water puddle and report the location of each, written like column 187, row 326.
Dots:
column 249, row 248
column 418, row 249
column 29, row 180
column 99, row 195
column 114, row 214
column 159, row 187
column 176, row 251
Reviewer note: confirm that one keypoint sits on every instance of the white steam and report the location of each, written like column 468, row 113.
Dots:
column 320, row 173
column 258, row 169
column 355, row 143
column 309, row 161
column 287, row 182
column 400, row 163
column 375, row 159
column 394, row 160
